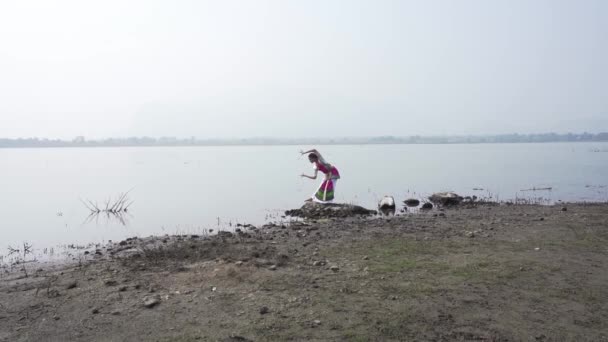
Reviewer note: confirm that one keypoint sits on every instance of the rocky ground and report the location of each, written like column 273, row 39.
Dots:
column 474, row 273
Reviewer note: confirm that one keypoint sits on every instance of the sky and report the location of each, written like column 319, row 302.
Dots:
column 315, row 68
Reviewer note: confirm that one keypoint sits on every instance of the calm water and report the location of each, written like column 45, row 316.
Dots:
column 186, row 189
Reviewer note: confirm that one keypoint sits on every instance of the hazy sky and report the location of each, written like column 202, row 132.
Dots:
column 302, row 68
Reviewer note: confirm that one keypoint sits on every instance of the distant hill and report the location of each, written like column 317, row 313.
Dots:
column 172, row 141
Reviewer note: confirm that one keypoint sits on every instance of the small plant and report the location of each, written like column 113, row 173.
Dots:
column 120, row 205
column 117, row 208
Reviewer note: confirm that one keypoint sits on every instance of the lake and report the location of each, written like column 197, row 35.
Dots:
column 193, row 189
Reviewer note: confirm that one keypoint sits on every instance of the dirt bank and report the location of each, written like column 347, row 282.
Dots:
column 484, row 273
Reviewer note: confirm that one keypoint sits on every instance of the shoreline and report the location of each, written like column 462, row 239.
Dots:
column 484, row 272
column 74, row 253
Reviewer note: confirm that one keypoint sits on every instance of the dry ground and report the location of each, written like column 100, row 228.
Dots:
column 485, row 273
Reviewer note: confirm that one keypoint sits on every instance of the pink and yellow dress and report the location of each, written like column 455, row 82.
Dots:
column 326, row 191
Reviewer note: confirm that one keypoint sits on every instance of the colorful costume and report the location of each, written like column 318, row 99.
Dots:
column 325, row 193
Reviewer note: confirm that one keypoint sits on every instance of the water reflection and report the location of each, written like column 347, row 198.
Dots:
column 122, row 217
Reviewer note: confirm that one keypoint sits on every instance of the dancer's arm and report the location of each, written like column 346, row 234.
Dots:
column 318, row 155
column 311, row 177
column 311, row 151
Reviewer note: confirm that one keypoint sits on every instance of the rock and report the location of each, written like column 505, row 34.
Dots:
column 238, row 263
column 95, row 311
column 122, row 289
column 366, row 258
column 537, row 249
column 273, row 267
column 541, row 219
column 316, row 323
column 225, row 234
column 387, row 202
column 470, row 234
column 313, row 210
column 110, row 282
column 334, row 268
column 236, row 338
column 427, row 206
column 264, row 310
column 151, row 301
column 318, row 263
column 564, row 209
column 116, row 313
column 446, row 198
column 71, row 285
column 412, row 202
column 123, row 243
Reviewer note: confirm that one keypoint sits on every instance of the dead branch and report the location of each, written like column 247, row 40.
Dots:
column 12, row 250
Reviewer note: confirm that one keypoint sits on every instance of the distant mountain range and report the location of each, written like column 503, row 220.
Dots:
column 172, row 141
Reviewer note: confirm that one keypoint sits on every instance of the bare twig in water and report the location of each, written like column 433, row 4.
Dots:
column 86, row 205
column 117, row 208
column 27, row 249
column 121, row 204
column 12, row 250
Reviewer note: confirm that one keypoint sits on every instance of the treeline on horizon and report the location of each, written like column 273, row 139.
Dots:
column 173, row 141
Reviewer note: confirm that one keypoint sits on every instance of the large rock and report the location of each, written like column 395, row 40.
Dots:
column 313, row 210
column 412, row 202
column 446, row 198
column 387, row 205
column 387, row 202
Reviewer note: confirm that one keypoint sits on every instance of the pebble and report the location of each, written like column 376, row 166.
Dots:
column 238, row 263
column 537, row 249
column 318, row 263
column 71, row 285
column 95, row 311
column 151, row 302
column 564, row 209
column 110, row 282
column 334, row 268
column 316, row 323
column 264, row 310
column 115, row 313
column 273, row 268
column 366, row 258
